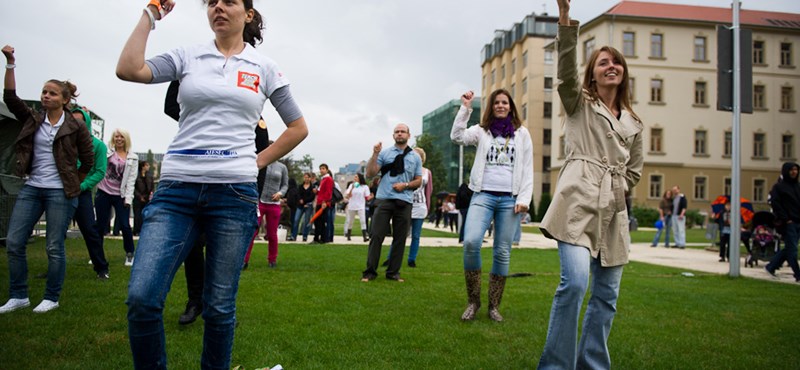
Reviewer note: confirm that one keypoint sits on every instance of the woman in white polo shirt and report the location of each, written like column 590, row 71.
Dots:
column 208, row 176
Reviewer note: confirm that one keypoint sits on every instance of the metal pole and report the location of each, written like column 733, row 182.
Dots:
column 733, row 256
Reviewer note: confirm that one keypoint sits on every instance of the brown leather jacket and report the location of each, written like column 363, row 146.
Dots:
column 72, row 142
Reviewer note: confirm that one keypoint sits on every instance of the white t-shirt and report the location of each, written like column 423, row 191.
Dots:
column 498, row 175
column 221, row 101
column 358, row 197
column 419, row 203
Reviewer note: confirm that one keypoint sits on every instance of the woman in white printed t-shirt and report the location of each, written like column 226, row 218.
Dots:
column 208, row 176
column 356, row 194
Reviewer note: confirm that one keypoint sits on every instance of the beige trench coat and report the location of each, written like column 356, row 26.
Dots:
column 603, row 161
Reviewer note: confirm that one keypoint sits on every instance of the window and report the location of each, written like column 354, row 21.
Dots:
column 547, row 136
column 758, row 97
column 502, row 72
column 513, row 90
column 656, row 90
column 562, row 147
column 548, row 57
column 787, row 98
column 628, row 44
column 656, row 140
column 700, row 93
column 656, row 185
column 483, row 80
column 787, row 146
column 726, row 186
column 548, row 109
column 513, row 66
column 588, row 48
column 524, row 111
column 700, row 142
column 525, row 59
column 786, row 54
column 632, row 89
column 700, row 187
column 656, row 45
column 758, row 52
column 493, row 76
column 759, row 188
column 524, row 86
column 546, row 163
column 548, row 83
column 759, row 145
column 727, row 151
column 700, row 48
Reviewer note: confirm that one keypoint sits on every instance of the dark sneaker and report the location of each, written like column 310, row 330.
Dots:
column 191, row 313
column 412, row 264
column 103, row 276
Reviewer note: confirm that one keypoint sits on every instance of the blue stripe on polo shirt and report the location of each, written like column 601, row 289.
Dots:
column 208, row 153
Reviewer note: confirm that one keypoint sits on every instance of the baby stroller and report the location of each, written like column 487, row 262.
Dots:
column 765, row 240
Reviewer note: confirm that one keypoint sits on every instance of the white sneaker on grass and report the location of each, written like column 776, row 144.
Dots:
column 46, row 305
column 90, row 261
column 14, row 304
column 129, row 259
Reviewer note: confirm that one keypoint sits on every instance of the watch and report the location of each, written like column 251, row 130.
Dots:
column 11, row 66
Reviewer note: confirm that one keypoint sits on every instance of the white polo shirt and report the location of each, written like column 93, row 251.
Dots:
column 221, row 101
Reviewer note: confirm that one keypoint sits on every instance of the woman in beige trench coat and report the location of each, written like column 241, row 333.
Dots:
column 587, row 216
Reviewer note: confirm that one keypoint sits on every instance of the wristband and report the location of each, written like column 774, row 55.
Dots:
column 157, row 4
column 151, row 16
column 11, row 66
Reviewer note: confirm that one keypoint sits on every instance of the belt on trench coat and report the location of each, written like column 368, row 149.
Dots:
column 612, row 175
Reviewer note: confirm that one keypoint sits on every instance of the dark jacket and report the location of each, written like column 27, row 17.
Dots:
column 463, row 196
column 307, row 195
column 73, row 142
column 143, row 188
column 785, row 196
column 291, row 194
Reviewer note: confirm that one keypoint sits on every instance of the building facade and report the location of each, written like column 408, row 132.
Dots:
column 516, row 60
column 437, row 124
column 671, row 52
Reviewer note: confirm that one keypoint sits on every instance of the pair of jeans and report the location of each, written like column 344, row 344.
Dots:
column 463, row 213
column 330, row 215
column 58, row 209
column 138, row 206
column 272, row 214
column 84, row 215
column 416, row 231
column 303, row 213
column 194, row 270
column 483, row 208
column 102, row 204
column 320, row 227
column 679, row 230
column 560, row 351
column 666, row 228
column 174, row 219
column 791, row 234
column 517, row 233
column 399, row 213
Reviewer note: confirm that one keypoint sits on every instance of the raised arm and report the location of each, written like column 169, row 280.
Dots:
column 569, row 87
column 131, row 65
column 459, row 133
column 372, row 165
column 10, row 82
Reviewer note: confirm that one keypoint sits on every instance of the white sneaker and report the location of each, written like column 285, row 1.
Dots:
column 90, row 261
column 129, row 259
column 14, row 304
column 46, row 305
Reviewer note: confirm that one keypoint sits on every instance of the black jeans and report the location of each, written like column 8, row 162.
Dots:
column 194, row 268
column 320, row 232
column 399, row 213
column 138, row 206
column 84, row 215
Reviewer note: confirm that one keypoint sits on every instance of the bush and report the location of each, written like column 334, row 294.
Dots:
column 544, row 203
column 645, row 216
column 693, row 217
column 532, row 210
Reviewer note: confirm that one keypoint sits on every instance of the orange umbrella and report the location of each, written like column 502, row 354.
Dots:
column 314, row 217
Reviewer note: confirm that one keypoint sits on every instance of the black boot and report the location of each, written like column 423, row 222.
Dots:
column 347, row 234
column 473, row 279
column 365, row 235
column 193, row 310
column 497, row 284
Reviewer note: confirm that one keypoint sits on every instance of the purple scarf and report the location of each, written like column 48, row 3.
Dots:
column 502, row 127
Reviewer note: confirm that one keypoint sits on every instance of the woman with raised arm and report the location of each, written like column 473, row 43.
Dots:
column 587, row 215
column 47, row 152
column 208, row 176
column 502, row 181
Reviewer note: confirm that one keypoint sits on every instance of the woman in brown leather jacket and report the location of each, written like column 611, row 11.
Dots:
column 47, row 149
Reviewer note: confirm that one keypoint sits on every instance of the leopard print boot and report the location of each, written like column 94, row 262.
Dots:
column 497, row 284
column 473, row 279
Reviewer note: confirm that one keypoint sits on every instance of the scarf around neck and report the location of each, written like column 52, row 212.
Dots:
column 502, row 127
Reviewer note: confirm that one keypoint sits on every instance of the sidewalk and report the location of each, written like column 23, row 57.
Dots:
column 690, row 259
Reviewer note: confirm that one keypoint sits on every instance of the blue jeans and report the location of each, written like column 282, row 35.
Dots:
column 483, row 208
column 789, row 251
column 330, row 216
column 84, row 215
column 177, row 214
column 58, row 210
column 305, row 214
column 102, row 205
column 416, row 231
column 560, row 350
column 666, row 228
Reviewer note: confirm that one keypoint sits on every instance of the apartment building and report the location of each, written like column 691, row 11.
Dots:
column 671, row 51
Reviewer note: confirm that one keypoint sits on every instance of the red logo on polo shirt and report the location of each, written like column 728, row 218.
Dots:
column 248, row 81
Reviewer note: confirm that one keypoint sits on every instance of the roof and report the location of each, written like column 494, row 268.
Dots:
column 703, row 14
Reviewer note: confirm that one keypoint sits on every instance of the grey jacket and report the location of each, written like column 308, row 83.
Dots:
column 276, row 180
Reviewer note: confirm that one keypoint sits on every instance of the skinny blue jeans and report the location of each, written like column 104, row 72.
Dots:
column 173, row 220
column 483, row 208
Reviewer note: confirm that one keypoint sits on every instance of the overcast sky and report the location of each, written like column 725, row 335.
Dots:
column 356, row 67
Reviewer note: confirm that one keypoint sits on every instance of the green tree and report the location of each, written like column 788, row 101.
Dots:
column 297, row 168
column 544, row 203
column 433, row 162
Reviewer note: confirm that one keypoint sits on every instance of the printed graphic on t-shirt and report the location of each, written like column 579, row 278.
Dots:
column 207, row 153
column 115, row 169
column 501, row 152
column 249, row 81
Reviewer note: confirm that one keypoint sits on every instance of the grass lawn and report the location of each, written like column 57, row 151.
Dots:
column 426, row 233
column 312, row 312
